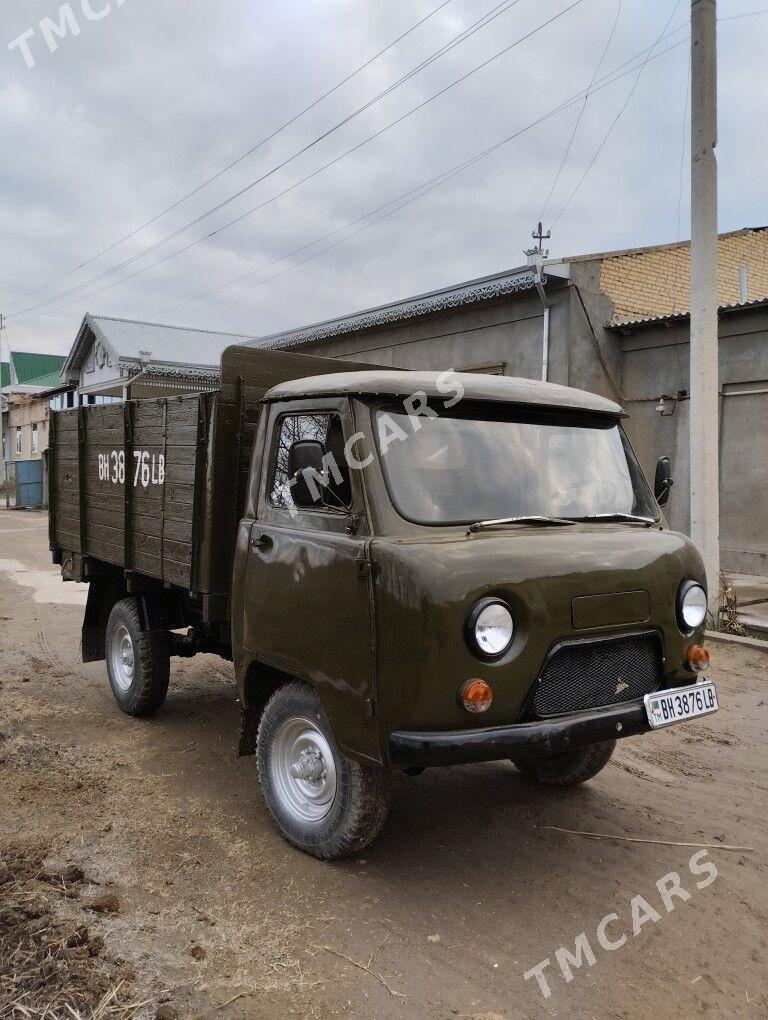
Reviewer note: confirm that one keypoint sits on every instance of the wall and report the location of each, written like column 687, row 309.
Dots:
column 594, row 354
column 656, row 363
column 505, row 332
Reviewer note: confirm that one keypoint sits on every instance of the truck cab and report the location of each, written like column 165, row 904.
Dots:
column 438, row 568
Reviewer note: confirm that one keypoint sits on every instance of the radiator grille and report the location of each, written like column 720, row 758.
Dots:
column 594, row 674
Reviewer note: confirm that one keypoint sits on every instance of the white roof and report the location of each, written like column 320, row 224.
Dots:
column 167, row 345
column 174, row 345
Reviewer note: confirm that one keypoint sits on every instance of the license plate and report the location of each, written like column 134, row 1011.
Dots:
column 665, row 708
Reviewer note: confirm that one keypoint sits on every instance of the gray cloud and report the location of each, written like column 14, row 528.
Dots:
column 145, row 103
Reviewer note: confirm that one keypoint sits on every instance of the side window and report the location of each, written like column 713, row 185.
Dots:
column 327, row 429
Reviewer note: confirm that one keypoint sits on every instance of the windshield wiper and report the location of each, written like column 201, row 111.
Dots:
column 533, row 519
column 618, row 517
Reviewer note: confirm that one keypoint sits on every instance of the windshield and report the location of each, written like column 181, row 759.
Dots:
column 469, row 468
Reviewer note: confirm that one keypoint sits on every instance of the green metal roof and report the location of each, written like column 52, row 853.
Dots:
column 29, row 367
column 47, row 381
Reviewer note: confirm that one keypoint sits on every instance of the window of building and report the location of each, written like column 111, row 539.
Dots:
column 35, row 438
column 18, row 441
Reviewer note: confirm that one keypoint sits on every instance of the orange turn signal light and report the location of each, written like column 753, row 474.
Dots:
column 476, row 696
column 698, row 658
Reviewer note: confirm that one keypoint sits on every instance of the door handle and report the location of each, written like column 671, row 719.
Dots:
column 261, row 542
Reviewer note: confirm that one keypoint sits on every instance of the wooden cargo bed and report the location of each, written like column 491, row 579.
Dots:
column 122, row 483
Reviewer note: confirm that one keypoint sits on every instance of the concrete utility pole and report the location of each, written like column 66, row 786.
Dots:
column 704, row 387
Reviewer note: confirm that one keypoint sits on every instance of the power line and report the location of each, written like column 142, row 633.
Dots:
column 249, row 152
column 581, row 112
column 604, row 82
column 310, row 176
column 476, row 26
column 421, row 190
column 618, row 116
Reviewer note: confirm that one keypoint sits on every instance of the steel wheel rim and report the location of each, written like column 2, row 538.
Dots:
column 303, row 770
column 122, row 658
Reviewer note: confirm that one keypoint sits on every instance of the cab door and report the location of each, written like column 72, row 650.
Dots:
column 309, row 596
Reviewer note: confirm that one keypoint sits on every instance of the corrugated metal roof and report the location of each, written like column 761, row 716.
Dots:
column 660, row 320
column 173, row 345
column 28, row 365
column 486, row 288
column 46, row 381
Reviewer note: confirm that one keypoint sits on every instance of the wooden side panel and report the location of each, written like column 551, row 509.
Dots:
column 64, row 481
column 123, row 479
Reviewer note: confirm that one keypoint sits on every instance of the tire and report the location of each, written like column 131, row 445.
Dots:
column 569, row 769
column 138, row 661
column 335, row 807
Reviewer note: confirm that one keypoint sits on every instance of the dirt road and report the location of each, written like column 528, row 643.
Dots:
column 152, row 837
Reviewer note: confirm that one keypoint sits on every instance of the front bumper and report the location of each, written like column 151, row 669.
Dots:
column 521, row 740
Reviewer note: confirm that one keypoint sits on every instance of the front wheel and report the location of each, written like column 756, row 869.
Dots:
column 322, row 802
column 569, row 769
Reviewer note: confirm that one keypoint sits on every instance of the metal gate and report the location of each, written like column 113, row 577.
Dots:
column 29, row 483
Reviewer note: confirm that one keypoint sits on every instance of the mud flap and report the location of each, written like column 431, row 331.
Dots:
column 103, row 593
column 249, row 727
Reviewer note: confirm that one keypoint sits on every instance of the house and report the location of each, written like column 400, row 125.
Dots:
column 31, row 375
column 614, row 323
column 117, row 358
column 27, row 385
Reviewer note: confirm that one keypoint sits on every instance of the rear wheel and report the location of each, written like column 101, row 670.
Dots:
column 138, row 661
column 322, row 802
column 569, row 769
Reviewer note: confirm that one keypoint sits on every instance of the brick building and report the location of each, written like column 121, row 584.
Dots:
column 645, row 283
column 616, row 323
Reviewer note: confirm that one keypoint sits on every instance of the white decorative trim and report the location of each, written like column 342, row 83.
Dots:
column 430, row 304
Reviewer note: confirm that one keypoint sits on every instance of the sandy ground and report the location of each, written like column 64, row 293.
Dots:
column 153, row 835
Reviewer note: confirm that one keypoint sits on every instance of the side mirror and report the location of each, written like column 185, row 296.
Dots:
column 305, row 461
column 663, row 481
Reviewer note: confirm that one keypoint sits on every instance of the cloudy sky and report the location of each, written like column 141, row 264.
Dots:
column 142, row 101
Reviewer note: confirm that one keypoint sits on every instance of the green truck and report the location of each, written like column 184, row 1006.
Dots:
column 407, row 569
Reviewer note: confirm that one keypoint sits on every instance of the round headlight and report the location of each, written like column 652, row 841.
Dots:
column 491, row 627
column 691, row 606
